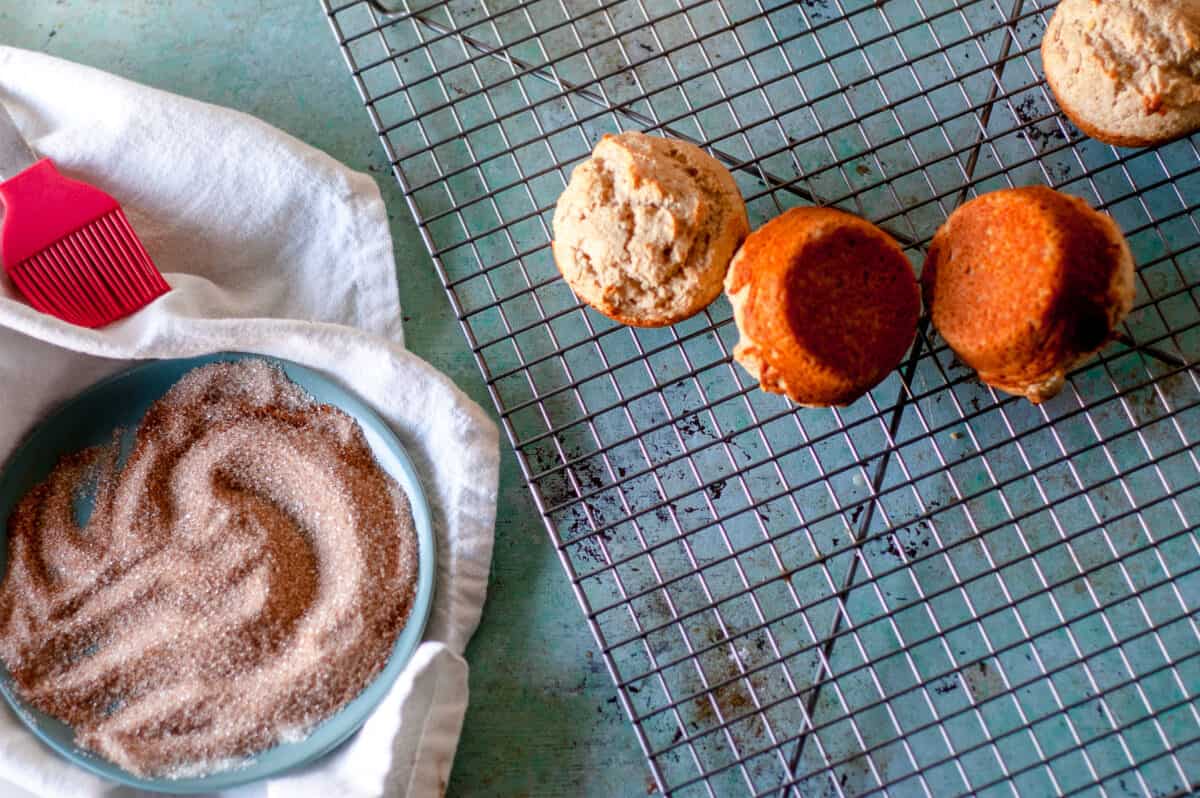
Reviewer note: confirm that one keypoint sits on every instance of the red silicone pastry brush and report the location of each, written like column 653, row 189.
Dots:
column 67, row 246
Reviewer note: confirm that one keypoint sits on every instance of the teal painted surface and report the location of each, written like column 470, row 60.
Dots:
column 543, row 718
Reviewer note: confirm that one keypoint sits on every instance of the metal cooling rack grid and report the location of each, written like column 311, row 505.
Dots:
column 938, row 590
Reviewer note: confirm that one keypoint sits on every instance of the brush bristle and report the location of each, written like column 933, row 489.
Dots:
column 94, row 276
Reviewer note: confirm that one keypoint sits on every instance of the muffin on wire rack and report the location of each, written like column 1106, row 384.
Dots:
column 1026, row 283
column 826, row 305
column 646, row 228
column 1127, row 72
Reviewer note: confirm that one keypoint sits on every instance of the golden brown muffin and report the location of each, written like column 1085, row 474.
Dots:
column 646, row 227
column 826, row 304
column 1024, row 284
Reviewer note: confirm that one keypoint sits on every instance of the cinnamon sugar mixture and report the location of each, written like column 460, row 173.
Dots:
column 242, row 577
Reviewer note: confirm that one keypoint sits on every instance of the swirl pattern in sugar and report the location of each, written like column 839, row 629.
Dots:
column 243, row 576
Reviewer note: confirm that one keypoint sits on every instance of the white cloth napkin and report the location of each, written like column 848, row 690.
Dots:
column 271, row 247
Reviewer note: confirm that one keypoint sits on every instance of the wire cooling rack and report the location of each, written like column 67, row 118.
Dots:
column 939, row 590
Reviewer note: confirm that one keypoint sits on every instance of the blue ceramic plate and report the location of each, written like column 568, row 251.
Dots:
column 119, row 402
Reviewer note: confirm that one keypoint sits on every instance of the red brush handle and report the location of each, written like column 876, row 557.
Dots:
column 41, row 207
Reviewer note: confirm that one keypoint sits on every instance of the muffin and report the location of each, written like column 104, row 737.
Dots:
column 1026, row 283
column 826, row 305
column 646, row 228
column 1126, row 72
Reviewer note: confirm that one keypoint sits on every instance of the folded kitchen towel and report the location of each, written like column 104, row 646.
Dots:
column 275, row 248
